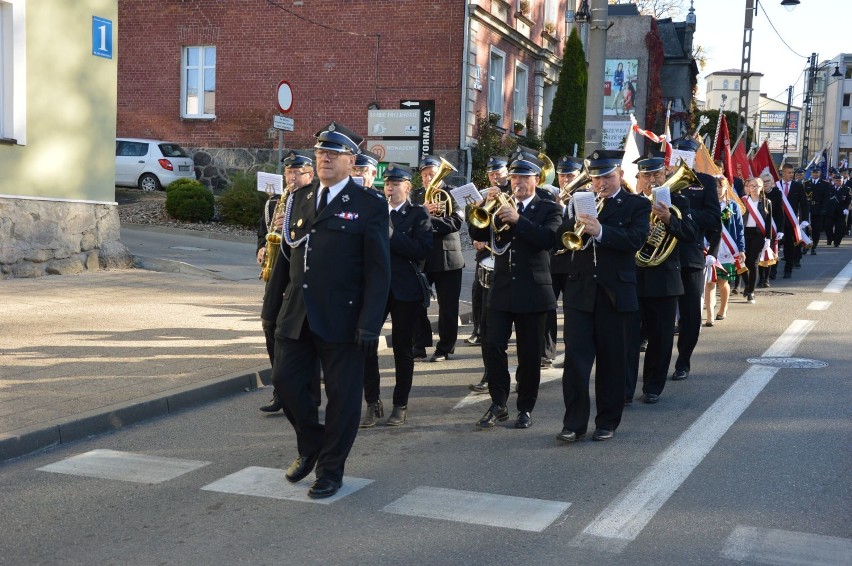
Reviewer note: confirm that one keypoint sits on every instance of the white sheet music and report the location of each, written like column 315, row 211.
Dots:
column 584, row 203
column 687, row 157
column 465, row 195
column 270, row 183
column 661, row 195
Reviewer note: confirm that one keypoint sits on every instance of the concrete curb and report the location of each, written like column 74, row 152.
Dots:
column 28, row 440
column 185, row 232
column 172, row 266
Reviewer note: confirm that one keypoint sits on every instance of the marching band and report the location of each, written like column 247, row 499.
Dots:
column 633, row 268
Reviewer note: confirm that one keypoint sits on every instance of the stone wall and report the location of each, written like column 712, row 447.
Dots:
column 215, row 165
column 39, row 237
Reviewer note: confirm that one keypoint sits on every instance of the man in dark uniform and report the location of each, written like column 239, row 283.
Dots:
column 567, row 169
column 599, row 300
column 332, row 309
column 658, row 287
column 704, row 207
column 836, row 209
column 521, row 292
column 816, row 191
column 298, row 172
column 366, row 167
column 443, row 268
column 410, row 242
column 793, row 192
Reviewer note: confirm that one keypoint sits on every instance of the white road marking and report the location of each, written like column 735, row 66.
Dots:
column 488, row 509
column 819, row 305
column 629, row 513
column 838, row 283
column 788, row 548
column 550, row 374
column 123, row 466
column 271, row 483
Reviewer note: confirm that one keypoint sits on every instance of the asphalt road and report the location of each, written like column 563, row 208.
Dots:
column 741, row 463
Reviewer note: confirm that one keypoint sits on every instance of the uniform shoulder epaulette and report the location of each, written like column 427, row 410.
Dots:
column 373, row 192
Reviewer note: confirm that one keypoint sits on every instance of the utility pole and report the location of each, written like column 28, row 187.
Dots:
column 809, row 93
column 787, row 122
column 745, row 70
column 597, row 62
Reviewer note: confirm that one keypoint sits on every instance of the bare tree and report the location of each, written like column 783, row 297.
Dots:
column 657, row 8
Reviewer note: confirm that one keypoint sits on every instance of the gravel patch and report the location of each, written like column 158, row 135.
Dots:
column 153, row 212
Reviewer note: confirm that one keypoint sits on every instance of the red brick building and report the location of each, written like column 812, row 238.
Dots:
column 204, row 72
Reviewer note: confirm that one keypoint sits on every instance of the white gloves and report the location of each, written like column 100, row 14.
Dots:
column 780, row 236
column 804, row 224
column 709, row 260
column 846, row 212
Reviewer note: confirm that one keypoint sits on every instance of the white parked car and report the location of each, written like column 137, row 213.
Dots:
column 150, row 164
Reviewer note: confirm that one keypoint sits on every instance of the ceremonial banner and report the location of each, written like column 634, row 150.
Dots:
column 722, row 148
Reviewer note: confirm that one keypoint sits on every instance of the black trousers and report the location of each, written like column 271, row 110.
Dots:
column 403, row 315
column 483, row 331
column 792, row 252
column 476, row 302
column 529, row 334
column 753, row 245
column 294, row 371
column 552, row 326
column 269, row 327
column 835, row 228
column 601, row 338
column 448, row 290
column 689, row 324
column 658, row 315
column 817, row 227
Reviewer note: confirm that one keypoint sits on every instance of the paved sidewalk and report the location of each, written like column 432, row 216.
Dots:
column 85, row 354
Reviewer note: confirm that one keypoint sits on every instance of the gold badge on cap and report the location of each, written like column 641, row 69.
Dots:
column 299, row 223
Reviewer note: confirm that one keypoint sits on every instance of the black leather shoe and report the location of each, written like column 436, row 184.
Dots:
column 546, row 363
column 301, row 467
column 439, row 356
column 603, row 434
column 680, row 375
column 419, row 355
column 492, row 416
column 764, row 284
column 628, row 401
column 273, row 406
column 568, row 436
column 473, row 340
column 397, row 417
column 374, row 412
column 323, row 488
column 813, row 252
column 650, row 398
column 479, row 388
column 787, row 275
column 524, row 420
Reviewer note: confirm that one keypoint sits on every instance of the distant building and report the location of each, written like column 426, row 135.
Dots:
column 727, row 83
column 831, row 110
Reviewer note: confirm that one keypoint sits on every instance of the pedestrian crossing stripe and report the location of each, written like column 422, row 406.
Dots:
column 123, row 466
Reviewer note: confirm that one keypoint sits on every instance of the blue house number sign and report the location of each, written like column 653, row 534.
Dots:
column 101, row 37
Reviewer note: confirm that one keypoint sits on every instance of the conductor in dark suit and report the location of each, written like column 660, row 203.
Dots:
column 658, row 286
column 520, row 292
column 704, row 207
column 599, row 300
column 410, row 242
column 332, row 308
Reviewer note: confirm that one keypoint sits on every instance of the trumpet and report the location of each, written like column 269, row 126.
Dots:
column 273, row 238
column 567, row 190
column 440, row 197
column 573, row 239
column 483, row 216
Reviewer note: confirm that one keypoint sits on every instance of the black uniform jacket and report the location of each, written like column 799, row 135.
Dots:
column 446, row 251
column 837, row 200
column 664, row 280
column 798, row 202
column 625, row 220
column 816, row 193
column 704, row 206
column 343, row 283
column 410, row 243
column 522, row 281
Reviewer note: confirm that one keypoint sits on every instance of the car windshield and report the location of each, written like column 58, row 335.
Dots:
column 172, row 150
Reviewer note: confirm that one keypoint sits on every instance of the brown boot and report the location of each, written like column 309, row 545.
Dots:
column 398, row 415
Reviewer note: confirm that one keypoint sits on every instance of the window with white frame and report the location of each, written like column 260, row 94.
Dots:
column 13, row 71
column 737, row 84
column 496, row 80
column 725, row 84
column 198, row 82
column 551, row 11
column 519, row 106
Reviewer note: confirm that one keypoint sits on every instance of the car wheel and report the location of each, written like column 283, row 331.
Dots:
column 149, row 182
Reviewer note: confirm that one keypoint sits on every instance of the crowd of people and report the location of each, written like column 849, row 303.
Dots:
column 636, row 262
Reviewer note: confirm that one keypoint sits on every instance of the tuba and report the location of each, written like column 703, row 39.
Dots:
column 660, row 244
column 548, row 171
column 438, row 196
column 273, row 238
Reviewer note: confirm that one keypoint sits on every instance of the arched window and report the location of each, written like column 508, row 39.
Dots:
column 725, row 84
column 737, row 84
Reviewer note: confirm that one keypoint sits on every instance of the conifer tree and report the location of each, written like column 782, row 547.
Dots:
column 568, row 116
